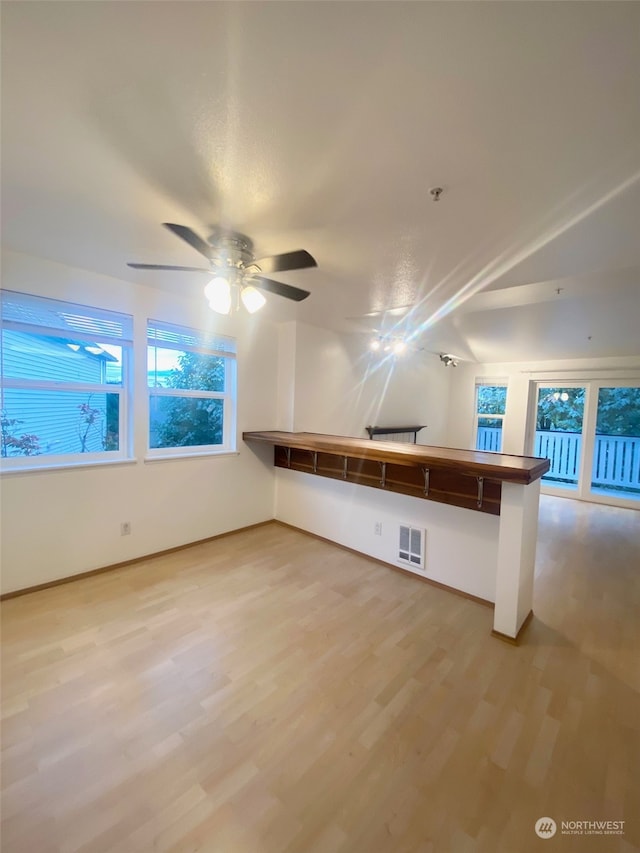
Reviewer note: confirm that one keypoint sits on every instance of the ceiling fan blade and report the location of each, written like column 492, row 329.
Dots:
column 278, row 288
column 191, row 238
column 297, row 260
column 165, row 267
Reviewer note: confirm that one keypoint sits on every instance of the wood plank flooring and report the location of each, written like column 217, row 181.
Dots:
column 271, row 693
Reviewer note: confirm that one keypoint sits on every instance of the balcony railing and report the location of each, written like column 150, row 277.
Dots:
column 616, row 459
column 563, row 449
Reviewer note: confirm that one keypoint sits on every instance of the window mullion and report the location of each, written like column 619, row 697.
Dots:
column 160, row 391
column 51, row 385
column 213, row 353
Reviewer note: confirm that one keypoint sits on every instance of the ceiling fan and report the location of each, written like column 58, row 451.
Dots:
column 235, row 270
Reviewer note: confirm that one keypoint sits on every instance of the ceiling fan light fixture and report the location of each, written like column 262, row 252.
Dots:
column 218, row 293
column 252, row 299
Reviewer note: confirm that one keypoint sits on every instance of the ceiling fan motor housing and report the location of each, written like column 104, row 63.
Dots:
column 231, row 249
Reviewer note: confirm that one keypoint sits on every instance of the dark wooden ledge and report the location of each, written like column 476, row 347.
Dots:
column 395, row 430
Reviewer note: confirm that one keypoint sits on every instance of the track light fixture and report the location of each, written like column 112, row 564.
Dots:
column 448, row 360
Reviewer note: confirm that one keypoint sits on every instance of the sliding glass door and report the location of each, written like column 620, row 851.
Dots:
column 591, row 434
column 616, row 451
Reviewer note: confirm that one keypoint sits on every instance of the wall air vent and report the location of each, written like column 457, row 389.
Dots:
column 411, row 546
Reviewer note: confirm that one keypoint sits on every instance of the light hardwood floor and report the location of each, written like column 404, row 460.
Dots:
column 271, row 693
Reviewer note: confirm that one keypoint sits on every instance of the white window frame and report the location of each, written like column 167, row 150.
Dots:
column 41, row 306
column 490, row 383
column 188, row 339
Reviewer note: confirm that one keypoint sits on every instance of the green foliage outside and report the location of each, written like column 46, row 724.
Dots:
column 556, row 413
column 111, row 439
column 618, row 410
column 15, row 442
column 491, row 400
column 191, row 421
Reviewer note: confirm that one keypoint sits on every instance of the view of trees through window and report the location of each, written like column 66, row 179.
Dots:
column 492, row 400
column 491, row 403
column 187, row 421
column 562, row 409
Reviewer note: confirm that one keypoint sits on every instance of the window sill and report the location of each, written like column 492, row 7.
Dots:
column 65, row 466
column 171, row 457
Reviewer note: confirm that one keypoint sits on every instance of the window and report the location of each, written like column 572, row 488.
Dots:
column 491, row 401
column 65, row 374
column 192, row 390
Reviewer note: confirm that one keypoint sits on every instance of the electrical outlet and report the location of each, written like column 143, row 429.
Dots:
column 377, row 529
column 125, row 528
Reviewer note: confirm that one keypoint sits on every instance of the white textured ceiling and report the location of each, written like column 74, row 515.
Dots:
column 322, row 125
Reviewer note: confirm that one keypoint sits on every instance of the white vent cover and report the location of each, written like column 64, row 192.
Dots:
column 411, row 546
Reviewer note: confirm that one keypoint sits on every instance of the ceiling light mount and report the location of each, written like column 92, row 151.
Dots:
column 435, row 193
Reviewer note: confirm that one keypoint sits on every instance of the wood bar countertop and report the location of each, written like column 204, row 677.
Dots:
column 497, row 466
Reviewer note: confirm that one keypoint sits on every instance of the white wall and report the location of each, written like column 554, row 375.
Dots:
column 59, row 523
column 521, row 378
column 340, row 387
column 286, row 375
column 461, row 545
